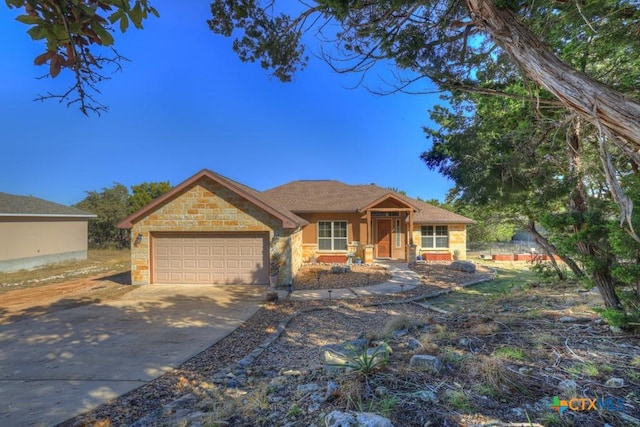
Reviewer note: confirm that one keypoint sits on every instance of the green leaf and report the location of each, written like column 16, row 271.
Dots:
column 14, row 3
column 28, row 19
column 124, row 23
column 115, row 16
column 37, row 33
column 136, row 16
column 105, row 36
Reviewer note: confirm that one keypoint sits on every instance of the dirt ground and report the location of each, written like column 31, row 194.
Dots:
column 103, row 275
column 33, row 301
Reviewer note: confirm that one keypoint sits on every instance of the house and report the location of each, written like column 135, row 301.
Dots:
column 211, row 229
column 35, row 232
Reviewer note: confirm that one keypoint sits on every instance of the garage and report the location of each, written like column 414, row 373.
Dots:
column 215, row 258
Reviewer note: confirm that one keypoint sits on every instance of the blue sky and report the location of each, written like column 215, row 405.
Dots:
column 186, row 102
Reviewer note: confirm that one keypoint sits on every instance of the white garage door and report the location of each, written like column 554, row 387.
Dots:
column 210, row 258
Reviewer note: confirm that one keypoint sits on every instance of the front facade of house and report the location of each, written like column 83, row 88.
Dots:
column 211, row 229
column 36, row 232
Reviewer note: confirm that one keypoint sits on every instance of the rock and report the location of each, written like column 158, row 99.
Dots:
column 340, row 419
column 425, row 395
column 464, row 342
column 414, row 343
column 381, row 391
column 308, row 388
column 426, row 361
column 336, row 357
column 518, row 412
column 332, row 392
column 567, row 319
column 313, row 408
column 333, row 360
column 367, row 419
column 340, row 269
column 464, row 266
column 356, row 419
column 568, row 386
column 614, row 382
column 615, row 329
column 399, row 333
column 291, row 372
column 525, row 370
column 271, row 297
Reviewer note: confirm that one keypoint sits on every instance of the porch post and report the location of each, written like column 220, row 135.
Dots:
column 410, row 227
column 368, row 227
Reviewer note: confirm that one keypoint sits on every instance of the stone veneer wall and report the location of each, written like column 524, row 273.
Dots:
column 205, row 207
column 457, row 240
column 296, row 252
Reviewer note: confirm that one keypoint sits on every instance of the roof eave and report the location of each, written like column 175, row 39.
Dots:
column 25, row 215
column 131, row 219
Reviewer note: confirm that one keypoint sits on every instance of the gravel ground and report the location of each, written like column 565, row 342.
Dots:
column 296, row 348
column 319, row 276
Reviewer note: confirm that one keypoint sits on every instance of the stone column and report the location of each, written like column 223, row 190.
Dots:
column 368, row 254
column 412, row 254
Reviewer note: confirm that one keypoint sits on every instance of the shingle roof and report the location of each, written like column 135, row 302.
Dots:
column 289, row 219
column 335, row 196
column 12, row 205
column 297, row 197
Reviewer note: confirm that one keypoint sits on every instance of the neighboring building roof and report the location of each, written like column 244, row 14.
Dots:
column 29, row 206
column 335, row 196
column 289, row 219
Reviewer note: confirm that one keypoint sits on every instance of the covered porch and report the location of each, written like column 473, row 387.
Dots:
column 388, row 232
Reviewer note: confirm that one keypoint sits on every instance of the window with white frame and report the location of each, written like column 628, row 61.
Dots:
column 435, row 236
column 332, row 235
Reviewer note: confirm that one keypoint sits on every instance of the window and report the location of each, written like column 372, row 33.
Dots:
column 398, row 234
column 435, row 236
column 332, row 235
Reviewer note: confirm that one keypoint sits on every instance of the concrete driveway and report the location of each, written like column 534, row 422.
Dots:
column 57, row 365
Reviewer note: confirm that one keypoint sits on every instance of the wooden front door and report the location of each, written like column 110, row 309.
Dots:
column 384, row 238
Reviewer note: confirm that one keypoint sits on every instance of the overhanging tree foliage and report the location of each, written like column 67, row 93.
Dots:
column 113, row 204
column 78, row 36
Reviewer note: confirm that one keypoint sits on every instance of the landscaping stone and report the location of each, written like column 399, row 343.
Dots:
column 381, row 391
column 308, row 388
column 525, row 370
column 356, row 419
column 399, row 333
column 332, row 392
column 464, row 266
column 340, row 269
column 425, row 395
column 614, row 382
column 568, row 386
column 335, row 356
column 426, row 361
column 464, row 342
column 414, row 343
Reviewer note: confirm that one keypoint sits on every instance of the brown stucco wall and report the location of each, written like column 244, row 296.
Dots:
column 29, row 242
column 356, row 231
column 205, row 207
column 457, row 240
